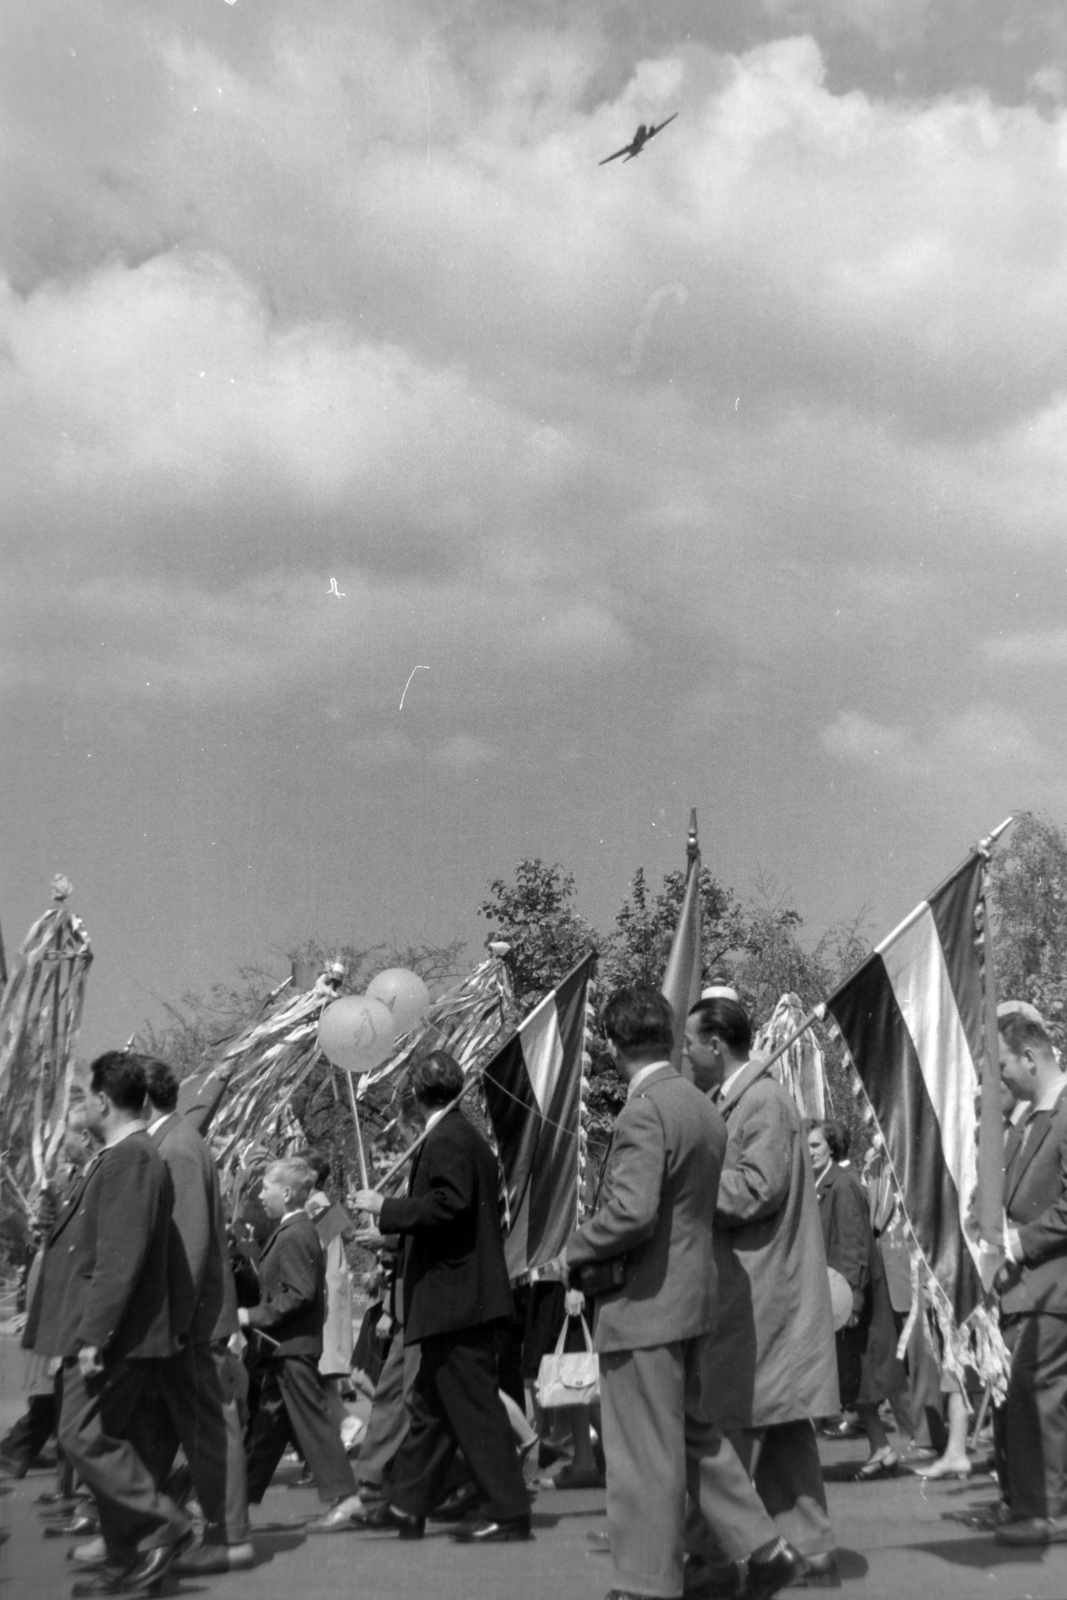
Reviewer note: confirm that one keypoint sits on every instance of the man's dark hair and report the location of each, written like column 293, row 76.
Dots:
column 436, row 1080
column 637, row 1019
column 120, row 1076
column 161, row 1083
column 838, row 1138
column 319, row 1163
column 727, row 1018
column 1021, row 1033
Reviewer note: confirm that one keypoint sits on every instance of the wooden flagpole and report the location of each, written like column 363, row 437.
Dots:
column 990, row 1197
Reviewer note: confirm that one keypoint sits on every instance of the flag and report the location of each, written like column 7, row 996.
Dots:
column 912, row 1018
column 681, row 981
column 533, row 1089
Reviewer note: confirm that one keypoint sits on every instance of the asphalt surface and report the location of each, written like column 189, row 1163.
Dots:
column 898, row 1540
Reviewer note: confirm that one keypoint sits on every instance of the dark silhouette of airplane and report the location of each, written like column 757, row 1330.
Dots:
column 637, row 143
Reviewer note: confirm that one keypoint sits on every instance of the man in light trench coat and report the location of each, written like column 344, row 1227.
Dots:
column 771, row 1365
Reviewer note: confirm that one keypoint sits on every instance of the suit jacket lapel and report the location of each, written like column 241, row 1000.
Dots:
column 74, row 1199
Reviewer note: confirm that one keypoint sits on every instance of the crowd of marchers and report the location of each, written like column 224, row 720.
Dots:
column 179, row 1369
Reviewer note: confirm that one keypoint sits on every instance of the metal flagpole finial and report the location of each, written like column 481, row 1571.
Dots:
column 692, row 847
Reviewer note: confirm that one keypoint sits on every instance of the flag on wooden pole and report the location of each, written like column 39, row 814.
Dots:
column 913, row 1018
column 681, row 981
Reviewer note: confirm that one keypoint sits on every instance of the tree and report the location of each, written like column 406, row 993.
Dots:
column 201, row 1022
column 1028, row 892
column 534, row 915
column 637, row 950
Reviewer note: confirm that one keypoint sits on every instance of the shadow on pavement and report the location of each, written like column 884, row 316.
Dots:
column 980, row 1552
column 851, row 1565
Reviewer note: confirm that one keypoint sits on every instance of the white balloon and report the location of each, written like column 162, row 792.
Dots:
column 357, row 1033
column 404, row 993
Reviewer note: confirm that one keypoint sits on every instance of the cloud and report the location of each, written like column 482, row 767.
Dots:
column 463, row 752
column 982, row 740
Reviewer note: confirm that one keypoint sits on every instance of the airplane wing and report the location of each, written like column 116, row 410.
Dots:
column 626, row 149
column 653, row 131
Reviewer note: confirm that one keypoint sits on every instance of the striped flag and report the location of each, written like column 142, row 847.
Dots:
column 533, row 1089
column 912, row 1018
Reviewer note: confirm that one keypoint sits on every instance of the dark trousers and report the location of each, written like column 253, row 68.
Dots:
column 293, row 1409
column 31, row 1432
column 387, row 1424
column 192, row 1400
column 1030, row 1428
column 94, row 1425
column 454, row 1402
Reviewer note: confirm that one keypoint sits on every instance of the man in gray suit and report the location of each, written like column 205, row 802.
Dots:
column 655, row 1215
column 775, row 1335
column 1030, row 1429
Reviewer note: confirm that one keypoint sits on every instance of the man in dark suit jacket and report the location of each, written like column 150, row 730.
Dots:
column 102, row 1305
column 1031, row 1426
column 656, row 1211
column 457, row 1302
column 293, row 1405
column 194, row 1402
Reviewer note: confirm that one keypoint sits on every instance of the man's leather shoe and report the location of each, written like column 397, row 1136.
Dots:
column 454, row 1507
column 383, row 1515
column 92, row 1554
column 80, row 1527
column 490, row 1532
column 701, row 1580
column 340, row 1518
column 767, row 1577
column 108, row 1580
column 1033, row 1531
column 207, row 1558
column 151, row 1567
column 817, row 1572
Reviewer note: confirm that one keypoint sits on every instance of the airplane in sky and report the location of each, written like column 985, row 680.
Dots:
column 637, row 143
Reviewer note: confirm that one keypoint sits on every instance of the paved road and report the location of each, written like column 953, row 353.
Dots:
column 898, row 1541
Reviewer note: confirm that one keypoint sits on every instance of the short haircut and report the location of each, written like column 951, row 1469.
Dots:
column 120, row 1076
column 294, row 1173
column 637, row 1019
column 838, row 1138
column 727, row 1018
column 1020, row 1033
column 161, row 1083
column 436, row 1080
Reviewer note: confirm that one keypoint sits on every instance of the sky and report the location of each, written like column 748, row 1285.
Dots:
column 732, row 477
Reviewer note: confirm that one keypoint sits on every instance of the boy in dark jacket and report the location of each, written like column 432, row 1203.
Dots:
column 293, row 1403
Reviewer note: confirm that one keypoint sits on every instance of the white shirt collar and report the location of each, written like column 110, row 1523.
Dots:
column 124, row 1133
column 730, row 1079
column 435, row 1117
column 158, row 1121
column 643, row 1072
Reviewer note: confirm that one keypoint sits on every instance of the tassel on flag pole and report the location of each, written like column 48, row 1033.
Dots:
column 681, row 981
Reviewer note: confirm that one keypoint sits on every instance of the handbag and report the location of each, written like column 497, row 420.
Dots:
column 568, row 1378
